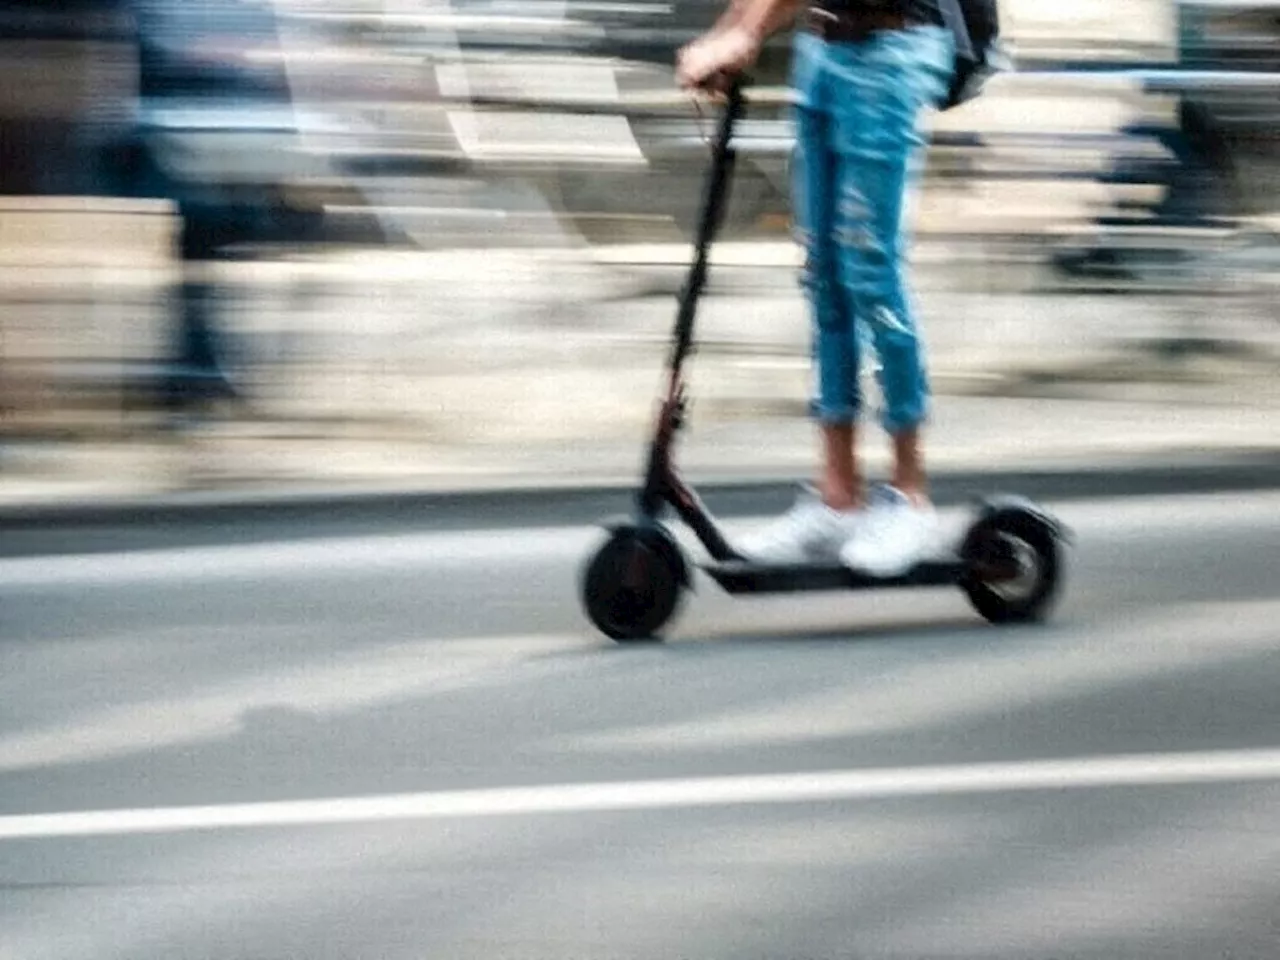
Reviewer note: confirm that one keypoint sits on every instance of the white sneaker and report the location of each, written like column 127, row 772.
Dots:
column 893, row 537
column 809, row 532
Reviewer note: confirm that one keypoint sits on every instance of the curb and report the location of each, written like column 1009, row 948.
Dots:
column 269, row 515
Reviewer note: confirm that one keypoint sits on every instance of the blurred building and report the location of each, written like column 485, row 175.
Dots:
column 271, row 124
column 1231, row 113
column 1219, row 157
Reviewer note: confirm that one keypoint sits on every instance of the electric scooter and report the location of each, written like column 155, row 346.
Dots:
column 1009, row 560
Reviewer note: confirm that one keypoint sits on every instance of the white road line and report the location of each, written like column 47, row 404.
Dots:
column 1139, row 770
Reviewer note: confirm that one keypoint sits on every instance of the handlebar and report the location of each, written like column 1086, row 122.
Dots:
column 731, row 87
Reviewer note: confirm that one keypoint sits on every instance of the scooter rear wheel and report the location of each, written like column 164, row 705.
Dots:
column 632, row 586
column 1014, row 567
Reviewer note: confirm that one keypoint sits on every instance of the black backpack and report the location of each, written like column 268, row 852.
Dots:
column 982, row 57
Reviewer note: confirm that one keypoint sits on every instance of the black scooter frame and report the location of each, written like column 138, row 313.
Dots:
column 662, row 485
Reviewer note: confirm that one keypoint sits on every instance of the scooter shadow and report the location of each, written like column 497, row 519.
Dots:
column 953, row 630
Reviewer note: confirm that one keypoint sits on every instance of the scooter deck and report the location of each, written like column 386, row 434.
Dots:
column 745, row 577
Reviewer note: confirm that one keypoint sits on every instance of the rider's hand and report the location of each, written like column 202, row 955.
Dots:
column 716, row 55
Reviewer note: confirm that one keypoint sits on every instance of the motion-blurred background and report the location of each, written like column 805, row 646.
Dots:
column 321, row 323
column 282, row 240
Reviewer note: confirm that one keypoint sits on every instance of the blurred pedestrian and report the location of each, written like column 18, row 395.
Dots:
column 210, row 81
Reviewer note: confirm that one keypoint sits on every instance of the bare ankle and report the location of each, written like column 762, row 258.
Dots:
column 917, row 495
column 908, row 467
column 837, row 494
column 840, row 481
column 843, row 504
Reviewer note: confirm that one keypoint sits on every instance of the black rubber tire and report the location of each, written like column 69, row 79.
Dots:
column 632, row 586
column 1033, row 531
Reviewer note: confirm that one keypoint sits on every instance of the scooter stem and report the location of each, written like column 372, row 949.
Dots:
column 715, row 195
column 661, row 483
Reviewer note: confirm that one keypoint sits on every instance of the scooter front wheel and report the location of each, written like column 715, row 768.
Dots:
column 633, row 584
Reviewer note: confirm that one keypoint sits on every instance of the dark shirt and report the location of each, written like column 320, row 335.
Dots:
column 926, row 11
column 942, row 13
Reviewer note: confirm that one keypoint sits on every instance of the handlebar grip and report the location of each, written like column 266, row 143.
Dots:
column 731, row 86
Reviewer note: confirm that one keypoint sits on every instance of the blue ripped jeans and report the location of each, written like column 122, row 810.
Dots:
column 857, row 113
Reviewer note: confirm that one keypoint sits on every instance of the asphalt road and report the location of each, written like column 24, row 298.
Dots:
column 348, row 726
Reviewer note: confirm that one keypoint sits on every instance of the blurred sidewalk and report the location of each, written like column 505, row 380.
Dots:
column 491, row 367
column 989, row 435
